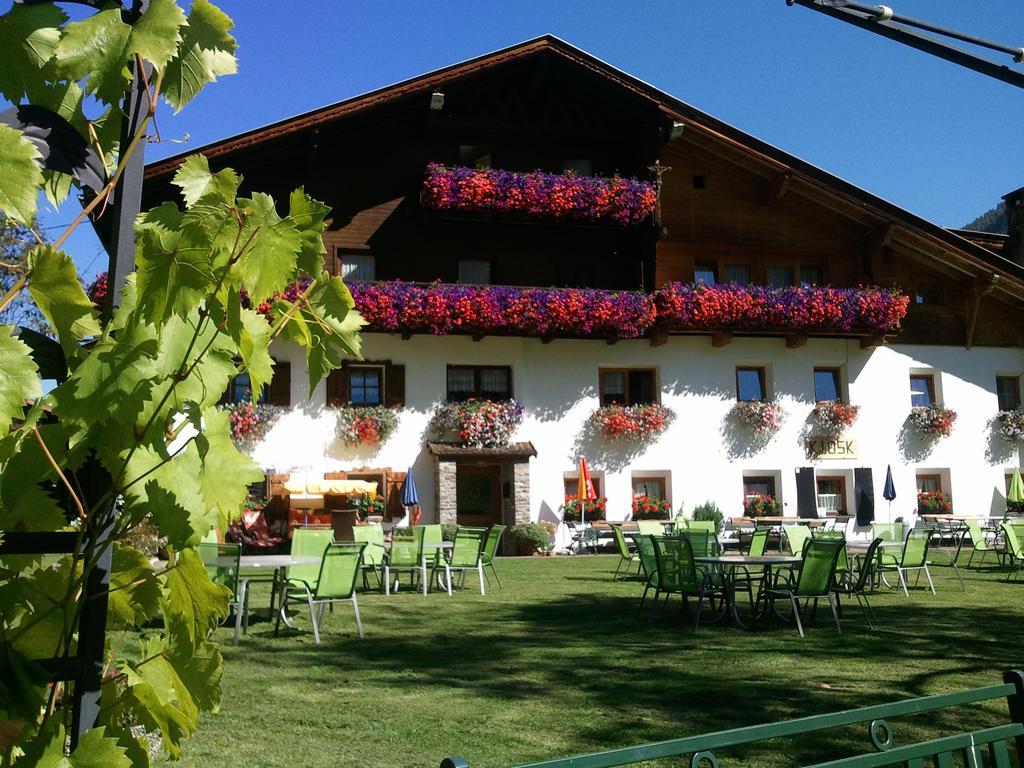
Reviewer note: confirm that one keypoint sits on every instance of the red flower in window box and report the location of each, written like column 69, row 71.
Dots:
column 832, row 417
column 650, row 508
column 366, row 425
column 933, row 421
column 633, row 422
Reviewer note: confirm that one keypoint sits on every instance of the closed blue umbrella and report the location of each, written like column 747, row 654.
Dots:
column 410, row 498
column 889, row 492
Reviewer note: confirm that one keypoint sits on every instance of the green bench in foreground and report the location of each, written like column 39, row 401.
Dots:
column 985, row 748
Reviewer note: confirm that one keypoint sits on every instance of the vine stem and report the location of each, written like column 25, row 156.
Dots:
column 12, row 294
column 63, row 477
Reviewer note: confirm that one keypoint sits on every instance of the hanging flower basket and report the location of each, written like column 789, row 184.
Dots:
column 634, row 422
column 761, row 505
column 366, row 425
column 832, row 417
column 933, row 421
column 934, row 503
column 649, row 508
column 479, row 423
column 1010, row 425
column 592, row 510
column 250, row 422
column 762, row 418
column 539, row 195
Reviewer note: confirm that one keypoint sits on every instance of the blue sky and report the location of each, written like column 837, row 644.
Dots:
column 939, row 140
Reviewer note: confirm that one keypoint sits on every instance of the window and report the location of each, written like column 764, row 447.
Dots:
column 579, row 166
column 1008, row 392
column 929, row 483
column 483, row 382
column 737, row 273
column 241, row 389
column 831, row 493
column 651, row 487
column 922, row 390
column 704, row 272
column 572, row 485
column 928, row 292
column 826, row 384
column 474, row 272
column 750, row 384
column 627, row 386
column 759, row 485
column 358, row 267
column 475, row 156
column 365, row 385
column 811, row 274
column 781, row 276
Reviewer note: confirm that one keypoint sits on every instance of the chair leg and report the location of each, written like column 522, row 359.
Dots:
column 796, row 613
column 864, row 609
column 423, row 577
column 448, row 578
column 387, row 581
column 960, row 577
column 359, row 621
column 282, row 609
column 239, row 602
column 643, row 597
column 835, row 613
column 312, row 619
column 930, row 582
column 903, row 581
column 496, row 579
column 245, row 615
column 480, row 571
column 696, row 616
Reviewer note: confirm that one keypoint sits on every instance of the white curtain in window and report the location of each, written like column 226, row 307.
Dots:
column 494, row 380
column 358, row 267
column 474, row 272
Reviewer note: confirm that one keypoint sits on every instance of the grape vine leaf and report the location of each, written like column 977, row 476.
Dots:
column 268, row 264
column 192, row 604
column 196, row 181
column 20, row 175
column 207, row 51
column 134, row 595
column 95, row 750
column 28, row 37
column 254, row 346
column 308, row 216
column 55, row 287
column 19, row 377
column 222, row 459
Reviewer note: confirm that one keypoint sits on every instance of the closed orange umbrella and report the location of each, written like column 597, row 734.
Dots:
column 585, row 488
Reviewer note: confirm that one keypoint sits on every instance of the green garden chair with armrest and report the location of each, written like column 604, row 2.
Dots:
column 678, row 574
column 796, row 536
column 432, row 539
column 490, row 550
column 843, row 571
column 857, row 585
column 815, row 580
column 954, row 533
column 703, row 525
column 650, row 527
column 306, row 542
column 887, row 531
column 649, row 564
column 626, row 556
column 405, row 556
column 752, row 574
column 1014, row 535
column 335, row 583
column 466, row 555
column 222, row 566
column 914, row 557
column 373, row 556
column 981, row 541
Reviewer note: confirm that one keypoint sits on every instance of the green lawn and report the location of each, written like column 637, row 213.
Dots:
column 555, row 664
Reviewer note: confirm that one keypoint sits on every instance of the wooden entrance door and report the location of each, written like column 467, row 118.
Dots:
column 478, row 495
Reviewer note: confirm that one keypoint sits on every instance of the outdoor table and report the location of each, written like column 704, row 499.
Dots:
column 276, row 563
column 730, row 563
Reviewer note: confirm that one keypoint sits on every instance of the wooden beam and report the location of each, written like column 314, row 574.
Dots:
column 721, row 338
column 875, row 243
column 979, row 288
column 777, row 188
column 659, row 336
column 869, row 342
column 795, row 340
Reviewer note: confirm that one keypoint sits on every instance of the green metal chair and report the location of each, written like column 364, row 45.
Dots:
column 405, row 556
column 626, row 556
column 955, row 533
column 222, row 566
column 335, row 583
column 466, row 555
column 752, row 574
column 843, row 572
column 913, row 558
column 887, row 531
column 1014, row 534
column 815, row 580
column 981, row 541
column 857, row 587
column 649, row 564
column 678, row 574
column 703, row 525
column 797, row 536
column 490, row 550
column 432, row 539
column 310, row 543
column 374, row 554
column 650, row 527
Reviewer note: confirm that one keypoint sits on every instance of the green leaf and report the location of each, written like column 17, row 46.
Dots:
column 157, row 33
column 200, row 669
column 19, row 377
column 22, row 681
column 95, row 750
column 268, row 264
column 195, row 181
column 307, row 215
column 222, row 459
column 254, row 346
column 28, row 37
column 174, row 270
column 333, row 325
column 61, row 298
column 193, row 605
column 134, row 588
column 27, row 481
column 20, row 175
column 206, row 53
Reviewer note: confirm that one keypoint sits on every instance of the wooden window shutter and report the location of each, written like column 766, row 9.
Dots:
column 394, row 386
column 337, row 386
column 279, row 391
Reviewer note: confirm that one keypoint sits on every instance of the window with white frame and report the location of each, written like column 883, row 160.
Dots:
column 358, row 267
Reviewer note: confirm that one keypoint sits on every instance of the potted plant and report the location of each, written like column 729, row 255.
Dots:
column 761, row 417
column 649, row 508
column 366, row 425
column 934, row 503
column 368, row 505
column 833, row 417
column 761, row 505
column 591, row 510
column 633, row 422
column 710, row 511
column 932, row 421
column 1010, row 425
column 479, row 423
column 529, row 538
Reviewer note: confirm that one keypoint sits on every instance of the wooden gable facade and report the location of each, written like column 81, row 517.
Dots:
column 726, row 198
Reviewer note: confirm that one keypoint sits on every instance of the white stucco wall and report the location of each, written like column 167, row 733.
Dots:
column 703, row 455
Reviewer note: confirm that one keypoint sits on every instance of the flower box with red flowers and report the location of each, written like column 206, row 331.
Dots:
column 649, row 508
column 368, row 425
column 590, row 510
column 832, row 417
column 633, row 422
column 1010, row 425
column 933, row 421
column 250, row 422
column 934, row 503
column 478, row 423
column 761, row 417
column 761, row 505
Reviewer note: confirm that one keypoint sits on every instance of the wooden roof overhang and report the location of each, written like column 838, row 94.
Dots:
column 884, row 224
column 516, row 452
